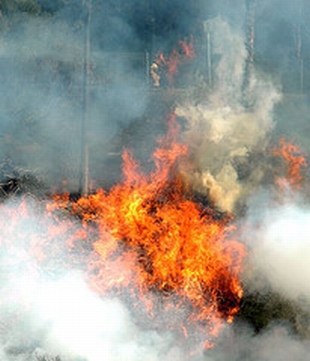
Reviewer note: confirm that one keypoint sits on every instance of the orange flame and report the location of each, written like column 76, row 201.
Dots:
column 178, row 57
column 145, row 241
column 294, row 161
column 153, row 239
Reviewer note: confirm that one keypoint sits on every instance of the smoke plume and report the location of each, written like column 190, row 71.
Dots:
column 223, row 132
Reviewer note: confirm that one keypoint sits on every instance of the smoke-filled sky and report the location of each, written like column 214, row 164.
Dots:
column 41, row 109
column 42, row 56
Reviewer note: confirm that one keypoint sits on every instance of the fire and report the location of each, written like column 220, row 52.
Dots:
column 294, row 160
column 174, row 261
column 32, row 235
column 184, row 53
column 151, row 241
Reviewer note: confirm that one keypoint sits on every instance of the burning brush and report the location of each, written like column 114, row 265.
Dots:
column 173, row 262
column 165, row 252
column 153, row 245
column 165, row 68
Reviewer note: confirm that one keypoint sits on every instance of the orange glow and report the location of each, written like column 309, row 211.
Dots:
column 294, row 163
column 154, row 240
column 34, row 235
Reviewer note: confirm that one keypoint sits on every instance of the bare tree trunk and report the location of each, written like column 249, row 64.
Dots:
column 209, row 62
column 250, row 47
column 84, row 180
column 207, row 34
column 299, row 46
column 250, row 33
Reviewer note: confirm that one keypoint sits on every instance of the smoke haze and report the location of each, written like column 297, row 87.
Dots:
column 50, row 311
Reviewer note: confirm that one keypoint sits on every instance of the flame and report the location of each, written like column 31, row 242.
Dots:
column 152, row 239
column 145, row 241
column 295, row 162
column 184, row 53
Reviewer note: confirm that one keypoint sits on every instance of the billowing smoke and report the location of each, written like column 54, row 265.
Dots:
column 277, row 235
column 224, row 132
column 48, row 311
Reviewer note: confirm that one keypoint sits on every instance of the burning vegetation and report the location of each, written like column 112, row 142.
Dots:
column 177, row 235
column 169, row 254
column 152, row 238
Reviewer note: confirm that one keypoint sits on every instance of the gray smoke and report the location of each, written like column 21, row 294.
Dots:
column 42, row 97
column 50, row 311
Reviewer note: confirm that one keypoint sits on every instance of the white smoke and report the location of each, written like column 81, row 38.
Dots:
column 221, row 131
column 279, row 240
column 65, row 318
column 276, row 343
column 44, row 316
column 49, row 311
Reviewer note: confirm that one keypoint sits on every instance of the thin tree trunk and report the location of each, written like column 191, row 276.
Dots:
column 250, row 48
column 299, row 47
column 84, row 182
column 208, row 51
column 209, row 61
column 250, row 32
